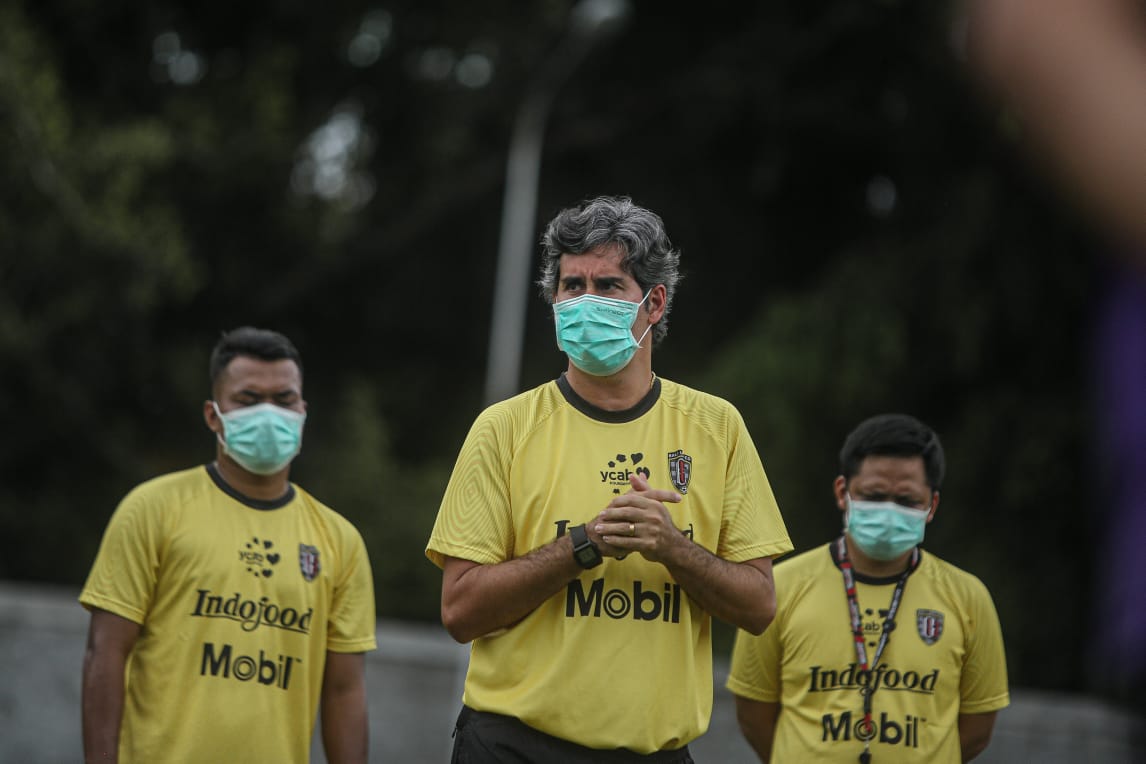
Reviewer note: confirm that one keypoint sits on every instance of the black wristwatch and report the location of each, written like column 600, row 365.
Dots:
column 585, row 552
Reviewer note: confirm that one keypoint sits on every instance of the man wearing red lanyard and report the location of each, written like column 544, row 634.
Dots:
column 879, row 652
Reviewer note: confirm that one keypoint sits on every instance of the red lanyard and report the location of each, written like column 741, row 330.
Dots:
column 866, row 731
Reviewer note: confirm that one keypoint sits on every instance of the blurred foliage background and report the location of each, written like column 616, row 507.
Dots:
column 860, row 233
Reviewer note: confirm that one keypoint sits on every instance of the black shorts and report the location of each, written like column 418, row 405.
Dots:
column 485, row 738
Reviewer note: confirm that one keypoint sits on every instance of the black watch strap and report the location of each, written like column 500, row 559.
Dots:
column 585, row 552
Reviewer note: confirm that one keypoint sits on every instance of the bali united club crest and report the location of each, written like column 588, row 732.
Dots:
column 930, row 625
column 680, row 470
column 308, row 561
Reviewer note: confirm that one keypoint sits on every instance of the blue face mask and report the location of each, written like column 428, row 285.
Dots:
column 262, row 439
column 884, row 530
column 597, row 332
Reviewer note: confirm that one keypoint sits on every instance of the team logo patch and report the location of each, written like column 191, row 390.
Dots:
column 680, row 470
column 930, row 625
column 308, row 561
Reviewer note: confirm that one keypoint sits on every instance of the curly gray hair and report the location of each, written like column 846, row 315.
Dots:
column 648, row 254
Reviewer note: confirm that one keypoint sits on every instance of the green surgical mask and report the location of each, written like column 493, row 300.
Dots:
column 884, row 530
column 597, row 332
column 263, row 438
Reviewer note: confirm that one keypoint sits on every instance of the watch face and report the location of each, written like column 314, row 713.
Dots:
column 586, row 556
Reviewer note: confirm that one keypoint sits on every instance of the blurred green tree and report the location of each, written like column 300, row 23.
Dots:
column 856, row 234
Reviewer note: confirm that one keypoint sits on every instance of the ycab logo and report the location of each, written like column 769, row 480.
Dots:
column 620, row 469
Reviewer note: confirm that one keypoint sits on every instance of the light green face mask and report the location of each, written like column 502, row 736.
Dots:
column 884, row 530
column 597, row 332
column 262, row 439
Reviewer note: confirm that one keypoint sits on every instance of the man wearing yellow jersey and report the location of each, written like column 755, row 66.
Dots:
column 879, row 652
column 593, row 525
column 227, row 604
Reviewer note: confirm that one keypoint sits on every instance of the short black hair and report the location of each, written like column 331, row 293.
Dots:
column 263, row 344
column 894, row 435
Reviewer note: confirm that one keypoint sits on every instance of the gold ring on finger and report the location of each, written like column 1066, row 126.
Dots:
column 632, row 529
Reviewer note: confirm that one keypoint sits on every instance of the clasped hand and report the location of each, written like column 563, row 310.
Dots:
column 637, row 521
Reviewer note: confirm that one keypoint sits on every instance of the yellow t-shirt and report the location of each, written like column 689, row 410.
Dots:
column 239, row 601
column 621, row 657
column 944, row 658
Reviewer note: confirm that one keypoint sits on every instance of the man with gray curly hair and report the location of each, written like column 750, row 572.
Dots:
column 647, row 253
column 582, row 650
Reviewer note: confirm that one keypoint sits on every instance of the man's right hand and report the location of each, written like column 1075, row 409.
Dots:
column 638, row 521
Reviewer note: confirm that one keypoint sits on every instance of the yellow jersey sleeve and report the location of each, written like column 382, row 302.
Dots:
column 983, row 683
column 755, row 670
column 474, row 521
column 351, row 628
column 123, row 578
column 751, row 524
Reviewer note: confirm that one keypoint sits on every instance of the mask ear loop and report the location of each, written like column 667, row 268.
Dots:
column 642, row 339
column 220, row 436
column 222, row 420
column 650, row 326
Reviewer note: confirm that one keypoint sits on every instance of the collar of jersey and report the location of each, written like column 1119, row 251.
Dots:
column 870, row 580
column 282, row 501
column 610, row 417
